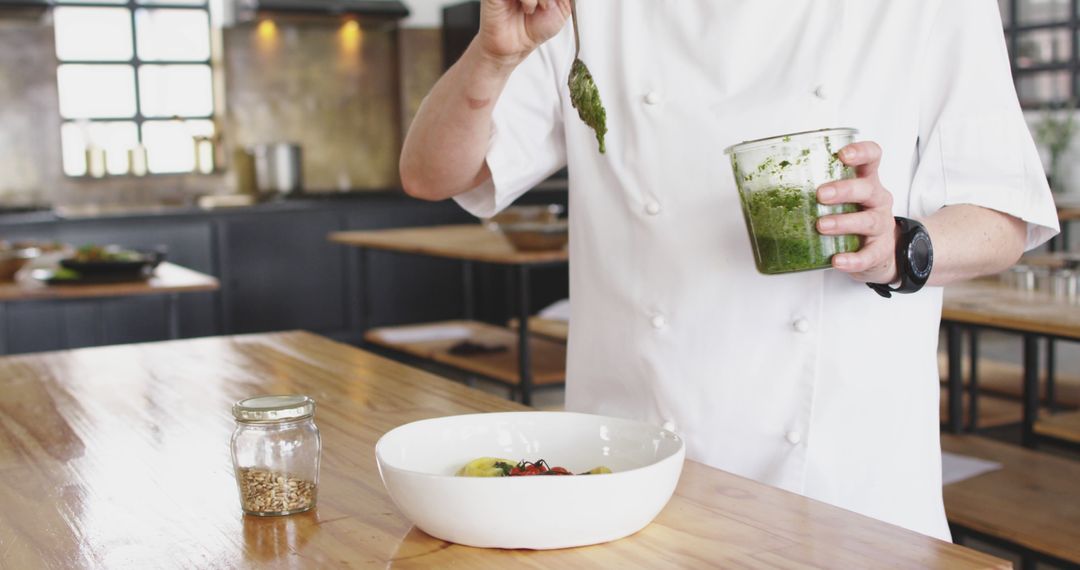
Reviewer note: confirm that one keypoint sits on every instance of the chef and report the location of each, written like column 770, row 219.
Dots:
column 812, row 382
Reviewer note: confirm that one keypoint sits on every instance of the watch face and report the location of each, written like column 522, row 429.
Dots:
column 921, row 255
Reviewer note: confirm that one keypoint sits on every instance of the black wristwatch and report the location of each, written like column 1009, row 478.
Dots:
column 914, row 259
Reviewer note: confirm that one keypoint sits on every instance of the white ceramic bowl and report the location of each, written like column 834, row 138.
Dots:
column 418, row 461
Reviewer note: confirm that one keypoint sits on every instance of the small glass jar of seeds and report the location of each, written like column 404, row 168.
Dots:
column 275, row 451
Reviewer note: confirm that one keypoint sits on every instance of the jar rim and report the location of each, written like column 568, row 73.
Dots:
column 790, row 137
column 274, row 408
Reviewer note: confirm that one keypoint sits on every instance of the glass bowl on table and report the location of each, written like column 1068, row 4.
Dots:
column 777, row 179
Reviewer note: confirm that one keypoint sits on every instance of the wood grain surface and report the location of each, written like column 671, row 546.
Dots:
column 1064, row 426
column 118, row 457
column 548, row 356
column 471, row 242
column 986, row 302
column 167, row 278
column 1031, row 501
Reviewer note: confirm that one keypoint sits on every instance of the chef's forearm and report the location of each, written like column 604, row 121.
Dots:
column 971, row 241
column 445, row 149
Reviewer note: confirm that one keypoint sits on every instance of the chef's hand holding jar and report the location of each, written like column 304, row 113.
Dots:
column 897, row 255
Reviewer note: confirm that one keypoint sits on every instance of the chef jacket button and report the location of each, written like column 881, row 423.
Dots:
column 801, row 325
column 659, row 322
column 669, row 425
column 652, row 98
column 821, row 92
column 793, row 437
column 653, row 208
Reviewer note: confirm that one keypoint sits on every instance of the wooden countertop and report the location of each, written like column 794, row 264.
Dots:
column 470, row 242
column 986, row 302
column 119, row 457
column 167, row 278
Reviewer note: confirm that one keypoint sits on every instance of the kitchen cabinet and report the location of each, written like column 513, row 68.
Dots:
column 277, row 269
column 279, row 272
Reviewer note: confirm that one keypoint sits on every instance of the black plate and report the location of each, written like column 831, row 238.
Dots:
column 135, row 269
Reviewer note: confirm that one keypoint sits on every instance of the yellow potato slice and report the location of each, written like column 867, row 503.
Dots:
column 484, row 467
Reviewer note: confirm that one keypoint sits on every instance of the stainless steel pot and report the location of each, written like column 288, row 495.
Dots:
column 278, row 168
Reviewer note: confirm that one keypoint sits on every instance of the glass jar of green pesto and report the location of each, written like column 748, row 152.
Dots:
column 777, row 179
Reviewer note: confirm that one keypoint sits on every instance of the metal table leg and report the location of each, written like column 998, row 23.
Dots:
column 524, row 355
column 3, row 329
column 172, row 306
column 1051, row 370
column 467, row 278
column 955, row 379
column 973, row 381
column 1031, row 389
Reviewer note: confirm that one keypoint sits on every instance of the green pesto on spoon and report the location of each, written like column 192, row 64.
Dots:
column 584, row 95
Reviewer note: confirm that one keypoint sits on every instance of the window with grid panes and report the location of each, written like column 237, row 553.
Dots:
column 134, row 78
column 1043, row 38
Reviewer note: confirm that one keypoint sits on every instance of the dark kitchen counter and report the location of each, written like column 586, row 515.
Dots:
column 277, row 269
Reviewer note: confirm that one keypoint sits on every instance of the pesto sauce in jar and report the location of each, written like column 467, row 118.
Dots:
column 777, row 179
column 783, row 232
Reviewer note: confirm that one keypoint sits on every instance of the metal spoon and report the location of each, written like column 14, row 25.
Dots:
column 584, row 95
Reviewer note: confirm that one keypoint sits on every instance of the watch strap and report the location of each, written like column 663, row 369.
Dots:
column 913, row 242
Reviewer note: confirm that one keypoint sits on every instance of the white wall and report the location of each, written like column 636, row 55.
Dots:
column 425, row 13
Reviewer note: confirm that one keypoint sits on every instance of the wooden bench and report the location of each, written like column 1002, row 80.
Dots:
column 548, row 357
column 1006, row 379
column 1065, row 427
column 1031, row 505
column 994, row 411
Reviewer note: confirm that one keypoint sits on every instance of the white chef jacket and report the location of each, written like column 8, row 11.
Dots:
column 810, row 382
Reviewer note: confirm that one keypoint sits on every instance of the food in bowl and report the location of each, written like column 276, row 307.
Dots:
column 108, row 254
column 418, row 463
column 15, row 256
column 112, row 262
column 537, row 237
column 532, row 228
column 545, row 214
column 495, row 467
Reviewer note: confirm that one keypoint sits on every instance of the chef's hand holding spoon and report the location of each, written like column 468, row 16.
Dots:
column 511, row 29
column 875, row 262
column 445, row 151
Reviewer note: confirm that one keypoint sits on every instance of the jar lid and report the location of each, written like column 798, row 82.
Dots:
column 274, row 408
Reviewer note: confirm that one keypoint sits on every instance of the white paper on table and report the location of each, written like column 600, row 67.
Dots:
column 425, row 333
column 956, row 468
column 557, row 311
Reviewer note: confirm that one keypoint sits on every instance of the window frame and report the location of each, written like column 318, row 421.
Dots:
column 1072, row 65
column 136, row 63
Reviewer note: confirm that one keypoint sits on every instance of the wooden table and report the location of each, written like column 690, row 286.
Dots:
column 469, row 244
column 988, row 304
column 169, row 280
column 119, row 457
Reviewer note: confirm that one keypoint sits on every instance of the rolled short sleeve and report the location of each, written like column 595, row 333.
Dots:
column 974, row 145
column 528, row 143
